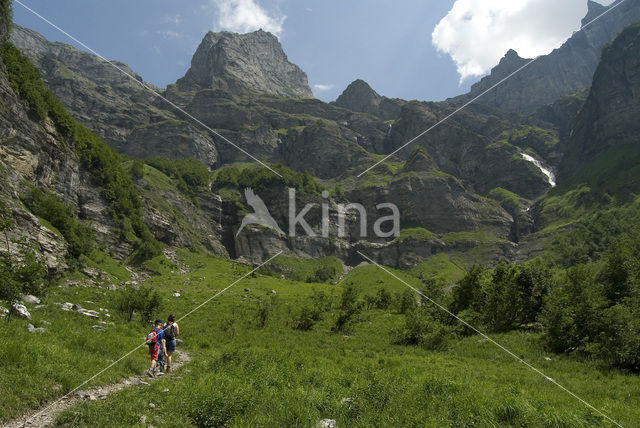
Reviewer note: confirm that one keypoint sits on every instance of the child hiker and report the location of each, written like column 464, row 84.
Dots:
column 156, row 343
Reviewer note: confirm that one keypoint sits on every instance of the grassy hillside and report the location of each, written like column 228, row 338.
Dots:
column 254, row 365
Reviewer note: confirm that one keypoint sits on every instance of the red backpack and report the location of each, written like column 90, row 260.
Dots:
column 152, row 337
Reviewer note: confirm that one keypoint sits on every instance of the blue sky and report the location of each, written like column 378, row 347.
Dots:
column 388, row 44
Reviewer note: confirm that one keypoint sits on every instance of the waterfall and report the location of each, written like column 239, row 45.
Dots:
column 550, row 175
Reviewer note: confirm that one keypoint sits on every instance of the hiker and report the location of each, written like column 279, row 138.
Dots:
column 171, row 330
column 157, row 343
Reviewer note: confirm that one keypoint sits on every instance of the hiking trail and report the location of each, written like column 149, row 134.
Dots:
column 48, row 417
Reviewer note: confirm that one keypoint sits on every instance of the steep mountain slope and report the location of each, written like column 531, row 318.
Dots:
column 235, row 86
column 563, row 71
column 604, row 148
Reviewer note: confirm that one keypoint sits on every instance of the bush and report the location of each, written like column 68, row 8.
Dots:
column 191, row 174
column 406, row 301
column 261, row 179
column 141, row 300
column 22, row 273
column 420, row 329
column 265, row 307
column 384, row 299
column 350, row 306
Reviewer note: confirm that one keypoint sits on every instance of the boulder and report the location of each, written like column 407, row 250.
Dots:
column 20, row 311
column 28, row 298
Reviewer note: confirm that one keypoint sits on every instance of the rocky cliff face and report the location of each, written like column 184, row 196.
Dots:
column 243, row 87
column 360, row 97
column 111, row 104
column 563, row 71
column 240, row 62
column 605, row 135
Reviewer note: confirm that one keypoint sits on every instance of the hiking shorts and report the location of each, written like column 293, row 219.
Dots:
column 153, row 351
column 171, row 345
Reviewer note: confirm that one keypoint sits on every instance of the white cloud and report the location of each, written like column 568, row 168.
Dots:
column 243, row 16
column 477, row 33
column 169, row 35
column 321, row 87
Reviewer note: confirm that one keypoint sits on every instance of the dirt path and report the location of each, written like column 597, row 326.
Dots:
column 46, row 418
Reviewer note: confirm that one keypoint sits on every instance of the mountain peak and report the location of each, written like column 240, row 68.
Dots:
column 594, row 9
column 238, row 62
column 359, row 96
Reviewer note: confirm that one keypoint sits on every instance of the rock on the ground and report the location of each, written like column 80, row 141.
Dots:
column 20, row 311
column 247, row 290
column 98, row 327
column 112, row 288
column 66, row 306
column 29, row 298
column 176, row 294
column 272, row 292
column 43, row 322
column 3, row 311
column 327, row 423
column 152, row 406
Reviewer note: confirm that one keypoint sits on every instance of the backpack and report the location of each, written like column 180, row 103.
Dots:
column 152, row 337
column 169, row 332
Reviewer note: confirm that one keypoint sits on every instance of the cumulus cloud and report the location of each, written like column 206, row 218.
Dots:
column 321, row 87
column 477, row 33
column 243, row 16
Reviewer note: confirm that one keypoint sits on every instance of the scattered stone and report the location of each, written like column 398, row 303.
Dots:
column 91, row 397
column 327, row 423
column 3, row 311
column 38, row 306
column 152, row 406
column 176, row 294
column 547, row 358
column 112, row 288
column 273, row 292
column 143, row 383
column 347, row 400
column 91, row 272
column 20, row 311
column 143, row 419
column 166, row 390
column 247, row 290
column 31, row 299
column 57, row 387
column 67, row 306
column 98, row 327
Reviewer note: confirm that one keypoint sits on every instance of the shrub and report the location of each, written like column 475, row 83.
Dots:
column 350, row 306
column 22, row 273
column 405, row 301
column 420, row 329
column 265, row 307
column 384, row 299
column 261, row 179
column 191, row 174
column 141, row 300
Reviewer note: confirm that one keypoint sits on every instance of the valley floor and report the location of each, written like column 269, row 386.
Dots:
column 250, row 367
